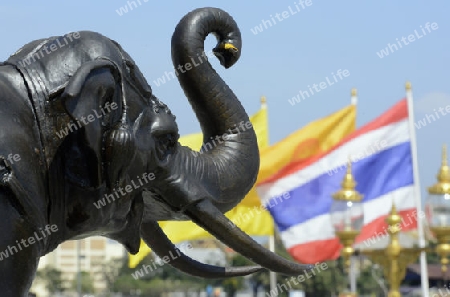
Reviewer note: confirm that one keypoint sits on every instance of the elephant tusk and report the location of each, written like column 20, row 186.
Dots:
column 157, row 240
column 207, row 216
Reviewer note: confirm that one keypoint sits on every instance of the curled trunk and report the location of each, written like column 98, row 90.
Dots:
column 228, row 166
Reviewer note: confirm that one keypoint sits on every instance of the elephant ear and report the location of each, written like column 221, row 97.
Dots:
column 93, row 98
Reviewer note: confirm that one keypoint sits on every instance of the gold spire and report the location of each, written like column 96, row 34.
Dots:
column 263, row 100
column 393, row 209
column 393, row 218
column 408, row 86
column 442, row 187
column 348, row 192
column 354, row 92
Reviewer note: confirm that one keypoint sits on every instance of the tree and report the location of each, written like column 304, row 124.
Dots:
column 111, row 271
column 52, row 279
column 257, row 280
column 371, row 281
column 87, row 285
column 163, row 279
column 233, row 284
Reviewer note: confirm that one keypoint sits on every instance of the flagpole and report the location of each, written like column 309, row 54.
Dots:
column 79, row 267
column 352, row 272
column 417, row 193
column 272, row 275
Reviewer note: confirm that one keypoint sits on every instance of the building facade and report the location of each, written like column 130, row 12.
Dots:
column 81, row 255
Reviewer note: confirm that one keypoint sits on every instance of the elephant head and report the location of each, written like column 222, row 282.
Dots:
column 201, row 187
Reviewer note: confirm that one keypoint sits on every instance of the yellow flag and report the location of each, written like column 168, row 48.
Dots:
column 316, row 137
column 247, row 215
column 194, row 141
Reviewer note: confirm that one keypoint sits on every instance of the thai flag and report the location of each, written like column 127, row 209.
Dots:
column 300, row 196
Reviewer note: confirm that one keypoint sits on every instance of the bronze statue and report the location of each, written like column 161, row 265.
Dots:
column 87, row 149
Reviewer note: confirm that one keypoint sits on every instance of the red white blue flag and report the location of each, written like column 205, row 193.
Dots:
column 300, row 196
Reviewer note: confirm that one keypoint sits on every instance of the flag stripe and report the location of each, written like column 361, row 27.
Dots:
column 316, row 251
column 379, row 228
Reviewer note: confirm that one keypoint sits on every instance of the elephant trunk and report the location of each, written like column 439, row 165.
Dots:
column 228, row 163
column 204, row 186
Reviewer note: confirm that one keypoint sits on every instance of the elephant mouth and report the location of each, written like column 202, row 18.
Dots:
column 165, row 147
column 157, row 208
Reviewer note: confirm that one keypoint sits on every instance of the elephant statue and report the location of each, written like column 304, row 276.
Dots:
column 87, row 149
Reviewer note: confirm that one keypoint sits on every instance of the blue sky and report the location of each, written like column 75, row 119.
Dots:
column 302, row 49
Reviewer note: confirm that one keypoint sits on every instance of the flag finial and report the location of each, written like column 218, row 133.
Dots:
column 263, row 101
column 354, row 97
column 408, row 86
